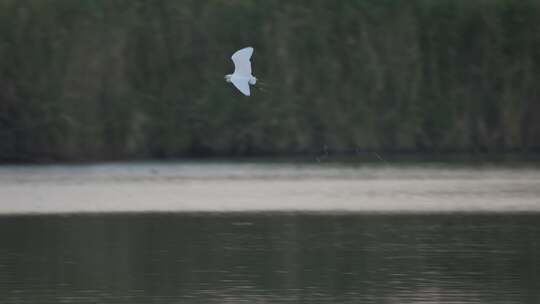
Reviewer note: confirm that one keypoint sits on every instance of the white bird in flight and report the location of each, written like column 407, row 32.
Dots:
column 242, row 78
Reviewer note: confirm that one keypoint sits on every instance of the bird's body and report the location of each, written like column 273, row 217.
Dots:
column 242, row 78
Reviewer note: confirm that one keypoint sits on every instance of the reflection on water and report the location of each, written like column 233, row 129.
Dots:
column 270, row 258
column 266, row 187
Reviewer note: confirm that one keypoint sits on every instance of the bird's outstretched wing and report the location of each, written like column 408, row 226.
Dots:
column 241, row 84
column 242, row 65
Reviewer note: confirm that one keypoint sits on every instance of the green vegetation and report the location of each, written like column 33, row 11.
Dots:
column 115, row 79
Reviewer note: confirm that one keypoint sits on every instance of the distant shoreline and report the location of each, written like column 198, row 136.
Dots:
column 362, row 157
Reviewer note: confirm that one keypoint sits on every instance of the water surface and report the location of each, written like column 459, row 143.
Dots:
column 270, row 258
column 181, row 187
column 267, row 233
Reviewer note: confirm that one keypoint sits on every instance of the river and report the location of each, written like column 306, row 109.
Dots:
column 269, row 233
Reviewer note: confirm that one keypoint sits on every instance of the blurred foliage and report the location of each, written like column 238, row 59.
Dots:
column 115, row 79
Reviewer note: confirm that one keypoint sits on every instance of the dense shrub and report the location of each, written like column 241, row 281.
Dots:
column 112, row 79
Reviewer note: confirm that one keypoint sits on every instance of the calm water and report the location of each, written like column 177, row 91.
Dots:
column 474, row 250
column 270, row 258
column 192, row 187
